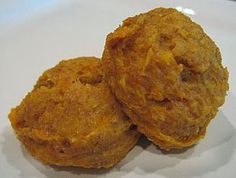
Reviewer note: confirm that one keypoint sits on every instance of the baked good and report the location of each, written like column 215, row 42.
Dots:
column 167, row 73
column 71, row 118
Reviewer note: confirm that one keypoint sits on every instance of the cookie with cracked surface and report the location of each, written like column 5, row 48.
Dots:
column 71, row 118
column 168, row 75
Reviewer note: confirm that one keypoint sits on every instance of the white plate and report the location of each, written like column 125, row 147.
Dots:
column 35, row 35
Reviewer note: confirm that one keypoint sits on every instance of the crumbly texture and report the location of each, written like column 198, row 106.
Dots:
column 72, row 119
column 167, row 74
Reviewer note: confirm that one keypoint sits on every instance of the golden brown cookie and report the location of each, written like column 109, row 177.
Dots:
column 167, row 73
column 72, row 119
